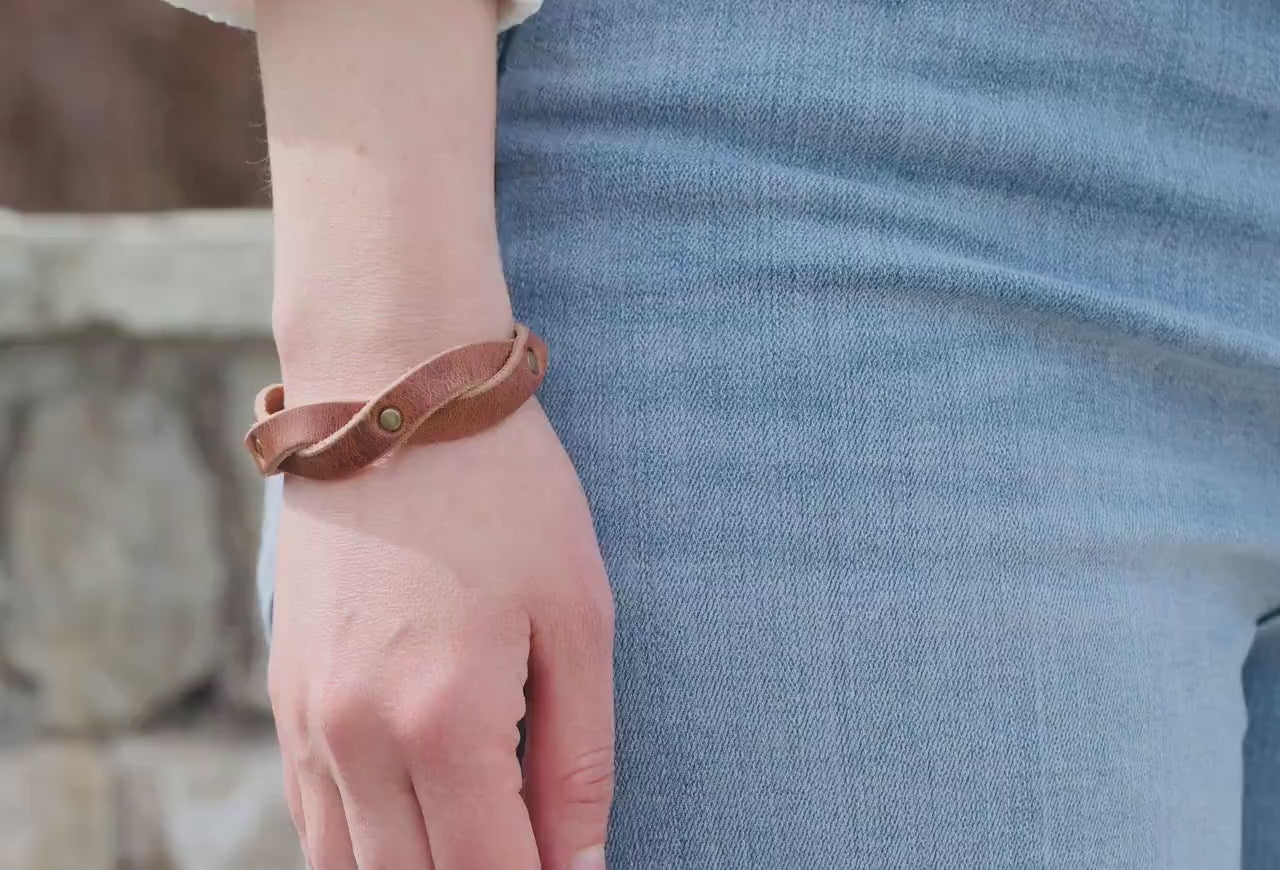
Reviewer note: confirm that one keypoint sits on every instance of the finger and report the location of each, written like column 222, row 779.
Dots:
column 466, row 775
column 568, row 764
column 328, row 844
column 474, row 830
column 383, row 816
column 293, row 799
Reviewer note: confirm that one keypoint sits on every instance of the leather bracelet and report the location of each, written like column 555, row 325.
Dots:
column 457, row 393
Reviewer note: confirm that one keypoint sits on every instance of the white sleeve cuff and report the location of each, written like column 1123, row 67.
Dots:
column 239, row 13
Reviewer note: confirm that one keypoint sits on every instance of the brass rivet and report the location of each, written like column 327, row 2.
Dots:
column 257, row 445
column 532, row 359
column 390, row 419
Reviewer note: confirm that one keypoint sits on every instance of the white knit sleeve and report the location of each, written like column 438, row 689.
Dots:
column 239, row 13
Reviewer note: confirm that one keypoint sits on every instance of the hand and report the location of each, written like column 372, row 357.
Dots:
column 414, row 602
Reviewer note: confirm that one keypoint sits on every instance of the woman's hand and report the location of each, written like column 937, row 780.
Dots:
column 417, row 601
column 418, row 605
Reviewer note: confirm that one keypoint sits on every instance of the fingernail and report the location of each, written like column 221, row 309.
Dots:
column 589, row 859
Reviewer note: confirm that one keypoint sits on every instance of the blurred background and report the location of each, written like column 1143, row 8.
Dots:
column 134, row 293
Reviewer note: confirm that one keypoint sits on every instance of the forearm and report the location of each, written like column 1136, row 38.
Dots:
column 381, row 120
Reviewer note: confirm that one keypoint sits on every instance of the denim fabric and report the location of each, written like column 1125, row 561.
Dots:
column 921, row 362
column 1262, row 749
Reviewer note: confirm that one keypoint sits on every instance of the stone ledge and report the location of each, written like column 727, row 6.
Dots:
column 190, row 801
column 205, row 273
column 195, row 802
column 57, row 809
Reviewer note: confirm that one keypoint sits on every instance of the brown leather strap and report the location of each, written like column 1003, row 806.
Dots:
column 454, row 394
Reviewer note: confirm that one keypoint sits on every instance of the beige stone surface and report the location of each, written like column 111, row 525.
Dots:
column 195, row 802
column 17, row 274
column 18, row 715
column 117, row 578
column 129, row 519
column 30, row 371
column 244, row 680
column 56, row 809
column 202, row 273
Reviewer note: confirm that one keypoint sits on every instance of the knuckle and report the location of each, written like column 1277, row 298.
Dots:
column 455, row 740
column 589, row 778
column 342, row 719
column 431, row 726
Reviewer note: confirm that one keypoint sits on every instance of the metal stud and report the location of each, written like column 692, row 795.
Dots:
column 391, row 419
column 257, row 445
column 532, row 359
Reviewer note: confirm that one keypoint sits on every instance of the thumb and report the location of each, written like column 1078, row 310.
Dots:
column 568, row 760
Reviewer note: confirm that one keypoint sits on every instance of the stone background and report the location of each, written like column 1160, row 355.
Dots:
column 134, row 728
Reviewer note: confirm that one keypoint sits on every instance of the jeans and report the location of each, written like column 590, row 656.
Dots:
column 921, row 362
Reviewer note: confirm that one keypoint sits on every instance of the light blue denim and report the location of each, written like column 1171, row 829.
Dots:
column 921, row 362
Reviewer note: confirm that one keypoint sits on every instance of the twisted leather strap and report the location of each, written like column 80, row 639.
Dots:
column 454, row 394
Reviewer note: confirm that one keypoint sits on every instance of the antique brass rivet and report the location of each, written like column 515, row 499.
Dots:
column 391, row 419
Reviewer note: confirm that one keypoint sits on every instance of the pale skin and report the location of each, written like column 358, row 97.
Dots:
column 418, row 602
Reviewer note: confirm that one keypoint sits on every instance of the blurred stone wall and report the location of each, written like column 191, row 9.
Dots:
column 134, row 729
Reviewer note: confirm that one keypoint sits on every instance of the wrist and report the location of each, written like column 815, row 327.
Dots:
column 353, row 343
